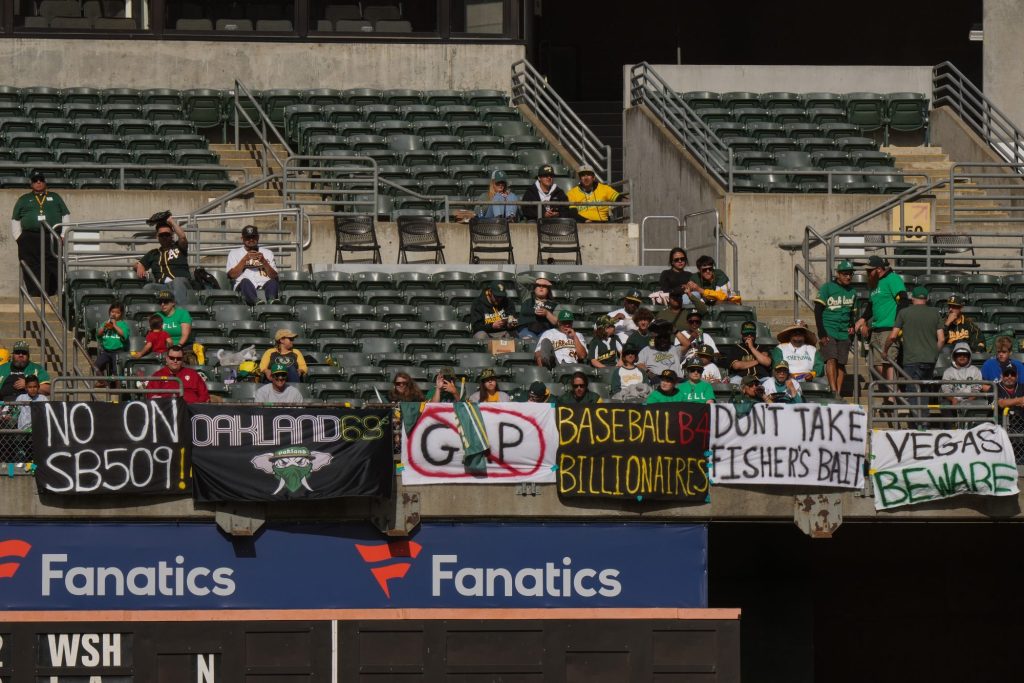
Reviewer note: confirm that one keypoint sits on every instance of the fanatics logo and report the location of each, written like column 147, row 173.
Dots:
column 389, row 551
column 12, row 548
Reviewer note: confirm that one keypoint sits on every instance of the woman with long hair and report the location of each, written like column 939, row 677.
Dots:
column 405, row 389
column 489, row 392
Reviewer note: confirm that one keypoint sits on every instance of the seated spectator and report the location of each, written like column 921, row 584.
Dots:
column 285, row 354
column 177, row 321
column 545, row 190
column 14, row 372
column 561, row 345
column 113, row 339
column 781, row 387
column 623, row 317
column 496, row 195
column 711, row 373
column 538, row 393
column 661, row 354
column 537, row 314
column 444, row 390
column 695, row 337
column 605, row 349
column 666, row 391
column 488, row 391
column 642, row 337
column 591, row 190
column 491, row 315
column 798, row 347
column 694, row 389
column 168, row 263
column 157, row 340
column 579, row 392
column 192, row 383
column 628, row 383
column 278, row 391
column 960, row 328
column 993, row 369
column 674, row 313
column 746, row 359
column 252, row 269
column 1010, row 396
column 31, row 395
column 713, row 283
column 963, row 378
column 751, row 393
column 675, row 277
column 405, row 389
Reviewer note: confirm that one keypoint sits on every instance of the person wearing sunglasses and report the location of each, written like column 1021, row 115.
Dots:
column 713, row 283
column 278, row 390
column 404, row 388
column 579, row 392
column 537, row 314
column 168, row 263
column 192, row 382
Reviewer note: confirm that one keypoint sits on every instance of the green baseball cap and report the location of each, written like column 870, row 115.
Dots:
column 565, row 316
column 499, row 177
column 278, row 369
column 844, row 267
column 497, row 288
column 919, row 292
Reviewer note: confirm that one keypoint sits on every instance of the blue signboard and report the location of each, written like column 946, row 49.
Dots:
column 102, row 566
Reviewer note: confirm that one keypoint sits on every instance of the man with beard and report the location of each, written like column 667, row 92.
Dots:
column 545, row 190
column 887, row 295
column 797, row 348
column 833, row 315
column 492, row 315
column 14, row 372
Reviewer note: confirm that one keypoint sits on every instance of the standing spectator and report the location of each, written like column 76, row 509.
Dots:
column 695, row 389
column 833, row 315
column 157, row 339
column 623, row 317
column 191, row 381
column 491, row 314
column 19, row 367
column 284, row 353
column 662, row 354
column 642, row 337
column 168, row 263
column 113, row 339
column 562, row 344
column 797, row 348
column 924, row 334
column 692, row 339
column 887, row 295
column 488, row 391
column 579, row 392
column 537, row 315
column 31, row 395
column 444, row 390
column 713, row 283
column 405, row 389
column 545, row 190
column 604, row 351
column 962, row 378
column 628, row 378
column 278, row 391
column 30, row 211
column 992, row 370
column 960, row 328
column 252, row 269
column 746, row 359
column 591, row 190
column 495, row 200
column 177, row 321
column 780, row 387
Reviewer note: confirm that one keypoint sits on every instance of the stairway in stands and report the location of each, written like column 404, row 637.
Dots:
column 32, row 332
column 605, row 120
column 250, row 157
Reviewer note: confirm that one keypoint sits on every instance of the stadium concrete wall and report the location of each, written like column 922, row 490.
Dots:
column 793, row 78
column 1003, row 54
column 258, row 65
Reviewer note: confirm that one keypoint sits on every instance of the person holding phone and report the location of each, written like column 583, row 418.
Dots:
column 252, row 269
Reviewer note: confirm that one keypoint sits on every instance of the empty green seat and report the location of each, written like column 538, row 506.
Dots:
column 866, row 110
column 204, row 108
column 362, row 96
column 338, row 113
column 161, row 96
column 907, row 112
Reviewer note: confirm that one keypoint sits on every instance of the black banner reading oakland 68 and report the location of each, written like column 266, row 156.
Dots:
column 259, row 454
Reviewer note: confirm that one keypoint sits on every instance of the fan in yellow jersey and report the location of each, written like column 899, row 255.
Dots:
column 591, row 190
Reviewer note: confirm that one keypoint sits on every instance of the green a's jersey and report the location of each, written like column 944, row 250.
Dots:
column 838, row 314
column 883, row 300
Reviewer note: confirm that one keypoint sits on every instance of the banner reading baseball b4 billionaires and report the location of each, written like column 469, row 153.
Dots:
column 486, row 443
column 269, row 454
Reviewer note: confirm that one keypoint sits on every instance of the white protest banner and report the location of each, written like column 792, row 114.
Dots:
column 909, row 467
column 523, row 441
column 790, row 445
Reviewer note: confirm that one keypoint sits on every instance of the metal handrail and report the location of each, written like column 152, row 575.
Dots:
column 533, row 90
column 235, row 194
column 121, row 168
column 179, row 390
column 952, row 88
column 260, row 131
column 893, row 389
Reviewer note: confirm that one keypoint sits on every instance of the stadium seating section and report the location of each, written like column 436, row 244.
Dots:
column 91, row 132
column 780, row 132
column 357, row 329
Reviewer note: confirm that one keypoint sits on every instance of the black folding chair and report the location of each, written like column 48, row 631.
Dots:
column 558, row 236
column 356, row 234
column 418, row 234
column 490, row 236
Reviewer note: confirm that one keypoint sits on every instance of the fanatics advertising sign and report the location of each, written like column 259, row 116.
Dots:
column 141, row 566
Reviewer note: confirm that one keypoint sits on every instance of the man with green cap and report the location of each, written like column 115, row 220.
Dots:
column 746, row 359
column 561, row 344
column 492, row 315
column 923, row 332
column 14, row 372
column 30, row 211
column 886, row 295
column 278, row 390
column 833, row 315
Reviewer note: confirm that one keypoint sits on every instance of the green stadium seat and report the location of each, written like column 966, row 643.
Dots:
column 866, row 110
column 41, row 95
column 787, row 116
column 430, row 127
column 439, row 98
column 73, row 156
column 851, row 144
column 44, row 111
column 323, row 97
column 466, row 128
column 781, row 100
column 276, row 102
column 830, row 158
column 812, row 145
column 58, row 141
column 486, row 98
column 839, row 130
column 828, row 115
column 48, row 127
column 376, row 345
column 455, row 157
column 392, row 127
column 822, row 100
column 90, row 126
column 740, row 100
column 476, row 142
column 10, row 95
column 340, row 113
column 24, row 140
column 204, row 108
column 33, row 155
column 775, row 145
column 418, row 112
column 752, row 115
column 162, row 96
column 189, row 141
column 402, row 97
column 380, row 112
column 17, row 124
column 167, row 127
column 764, row 129
column 523, row 142
column 746, row 159
column 161, row 112
column 114, row 111
column 867, row 158
column 131, row 127
column 362, row 96
column 457, row 112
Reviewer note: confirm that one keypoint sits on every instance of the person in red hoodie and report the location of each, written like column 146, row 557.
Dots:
column 191, row 381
